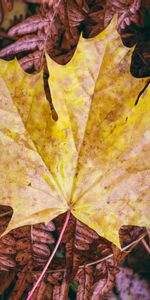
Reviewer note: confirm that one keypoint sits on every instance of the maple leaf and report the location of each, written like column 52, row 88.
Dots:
column 95, row 159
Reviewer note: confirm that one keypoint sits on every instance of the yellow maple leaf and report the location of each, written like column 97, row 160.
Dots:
column 95, row 160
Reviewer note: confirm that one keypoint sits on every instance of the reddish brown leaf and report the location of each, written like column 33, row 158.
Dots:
column 52, row 33
column 5, row 280
column 105, row 276
column 85, row 277
column 42, row 290
column 134, row 28
column 28, row 248
column 22, row 283
column 5, row 216
column 97, row 19
column 129, row 234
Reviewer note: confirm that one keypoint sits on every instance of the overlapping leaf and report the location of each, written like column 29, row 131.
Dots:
column 30, row 246
column 95, row 159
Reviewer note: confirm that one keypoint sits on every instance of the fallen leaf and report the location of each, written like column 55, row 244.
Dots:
column 106, row 272
column 95, row 159
column 32, row 245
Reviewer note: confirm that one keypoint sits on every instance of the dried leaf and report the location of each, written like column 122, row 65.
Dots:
column 134, row 28
column 105, row 275
column 56, row 30
column 5, row 216
column 95, row 159
column 85, row 278
column 51, row 31
column 97, row 19
column 32, row 246
column 82, row 246
column 128, row 234
column 22, row 283
column 29, row 245
column 5, row 280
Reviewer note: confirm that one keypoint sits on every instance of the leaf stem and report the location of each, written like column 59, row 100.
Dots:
column 51, row 257
column 146, row 246
column 5, row 213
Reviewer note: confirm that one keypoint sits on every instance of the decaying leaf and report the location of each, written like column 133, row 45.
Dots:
column 31, row 246
column 95, row 159
column 55, row 29
column 134, row 28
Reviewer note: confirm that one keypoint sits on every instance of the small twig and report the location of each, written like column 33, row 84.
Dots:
column 123, row 249
column 130, row 247
column 5, row 213
column 146, row 245
column 51, row 257
column 141, row 92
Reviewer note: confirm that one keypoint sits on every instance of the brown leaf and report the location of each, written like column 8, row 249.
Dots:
column 53, row 278
column 97, row 19
column 5, row 216
column 33, row 245
column 85, row 277
column 134, row 28
column 105, row 276
column 43, row 289
column 22, row 283
column 26, row 245
column 41, row 250
column 41, row 235
column 5, row 280
column 56, row 30
column 28, row 248
column 51, row 32
column 82, row 245
column 129, row 234
column 6, row 262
